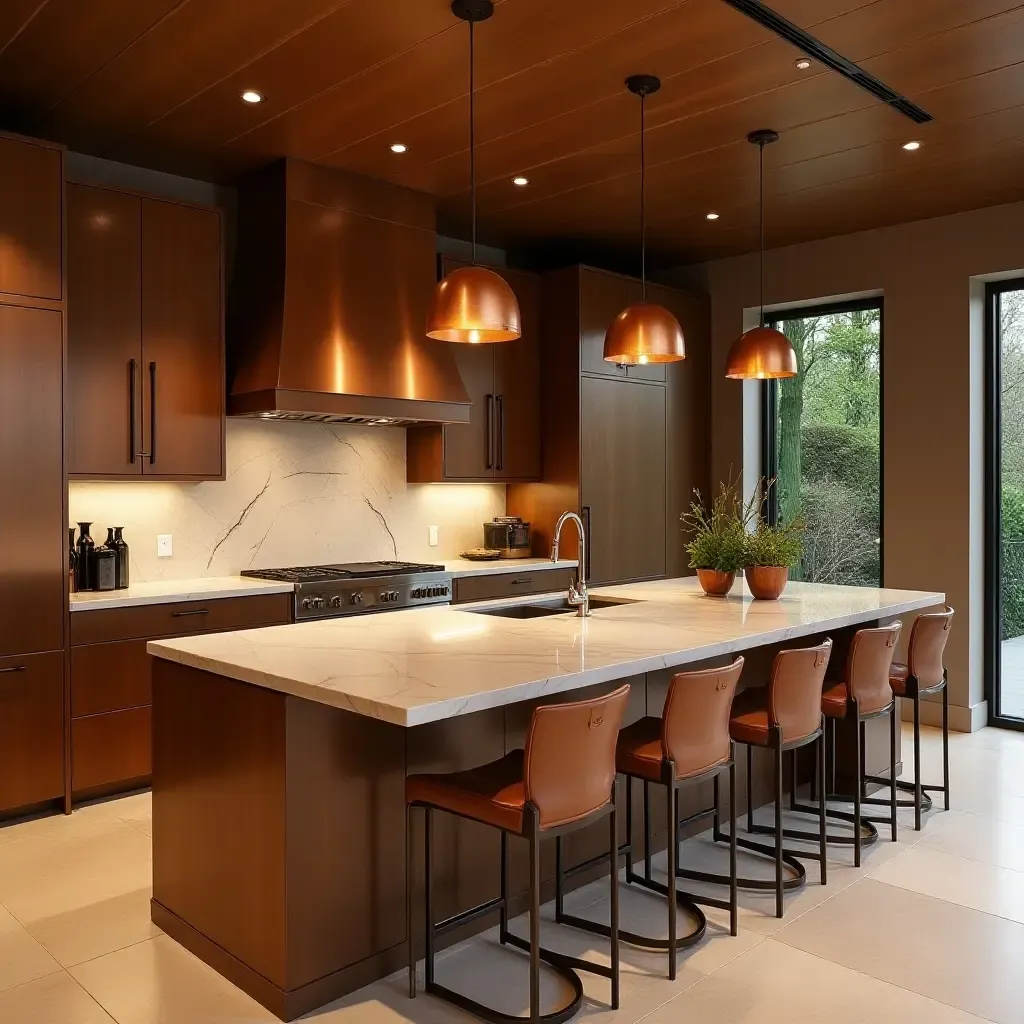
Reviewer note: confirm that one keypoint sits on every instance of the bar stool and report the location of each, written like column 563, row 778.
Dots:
column 784, row 715
column 923, row 673
column 687, row 745
column 863, row 695
column 563, row 781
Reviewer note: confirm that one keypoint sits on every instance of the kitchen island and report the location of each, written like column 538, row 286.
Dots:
column 280, row 756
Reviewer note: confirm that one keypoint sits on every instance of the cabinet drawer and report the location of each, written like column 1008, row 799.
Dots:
column 109, row 750
column 110, row 677
column 180, row 619
column 31, row 730
column 494, row 586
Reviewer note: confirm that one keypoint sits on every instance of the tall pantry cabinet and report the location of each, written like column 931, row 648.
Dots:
column 33, row 494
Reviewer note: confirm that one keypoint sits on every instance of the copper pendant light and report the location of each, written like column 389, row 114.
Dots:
column 762, row 353
column 473, row 305
column 644, row 332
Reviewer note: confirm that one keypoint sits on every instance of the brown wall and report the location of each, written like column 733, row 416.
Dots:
column 933, row 402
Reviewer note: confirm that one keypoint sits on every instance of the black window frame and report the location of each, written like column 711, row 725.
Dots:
column 993, row 512
column 770, row 408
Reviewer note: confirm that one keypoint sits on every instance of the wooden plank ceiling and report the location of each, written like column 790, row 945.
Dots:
column 157, row 83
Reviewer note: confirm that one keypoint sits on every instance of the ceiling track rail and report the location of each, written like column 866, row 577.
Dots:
column 825, row 55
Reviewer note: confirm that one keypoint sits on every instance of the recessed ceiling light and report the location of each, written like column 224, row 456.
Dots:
column 398, row 147
column 803, row 63
column 253, row 96
column 520, row 180
column 911, row 146
column 712, row 216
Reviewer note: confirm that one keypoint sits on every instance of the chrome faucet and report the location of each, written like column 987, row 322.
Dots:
column 578, row 596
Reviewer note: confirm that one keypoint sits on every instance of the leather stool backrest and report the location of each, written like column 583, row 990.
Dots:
column 570, row 757
column 927, row 645
column 868, row 665
column 794, row 693
column 695, row 722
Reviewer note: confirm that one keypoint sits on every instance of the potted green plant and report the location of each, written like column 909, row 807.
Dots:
column 718, row 536
column 770, row 552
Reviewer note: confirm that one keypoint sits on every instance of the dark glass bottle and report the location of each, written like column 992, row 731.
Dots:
column 104, row 561
column 120, row 546
column 86, row 546
column 72, row 561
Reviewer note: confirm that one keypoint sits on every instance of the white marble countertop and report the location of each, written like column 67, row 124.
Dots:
column 169, row 591
column 468, row 567
column 425, row 664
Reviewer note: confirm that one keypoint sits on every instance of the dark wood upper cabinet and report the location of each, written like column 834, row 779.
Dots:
column 32, row 522
column 502, row 439
column 145, row 337
column 31, row 180
column 105, row 330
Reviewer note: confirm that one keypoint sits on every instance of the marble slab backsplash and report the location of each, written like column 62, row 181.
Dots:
column 295, row 494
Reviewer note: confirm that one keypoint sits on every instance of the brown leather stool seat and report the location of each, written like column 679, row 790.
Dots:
column 689, row 743
column 784, row 715
column 564, row 780
column 924, row 673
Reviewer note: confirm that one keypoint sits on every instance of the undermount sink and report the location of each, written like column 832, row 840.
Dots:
column 541, row 609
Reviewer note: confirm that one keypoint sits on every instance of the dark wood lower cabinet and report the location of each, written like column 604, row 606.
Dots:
column 31, row 730
column 111, row 680
column 493, row 586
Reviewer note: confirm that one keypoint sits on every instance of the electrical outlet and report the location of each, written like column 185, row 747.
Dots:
column 432, row 536
column 164, row 548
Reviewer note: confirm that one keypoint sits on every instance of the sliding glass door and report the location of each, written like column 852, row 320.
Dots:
column 822, row 441
column 1005, row 501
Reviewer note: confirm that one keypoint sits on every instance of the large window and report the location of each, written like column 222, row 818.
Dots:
column 822, row 433
column 1005, row 498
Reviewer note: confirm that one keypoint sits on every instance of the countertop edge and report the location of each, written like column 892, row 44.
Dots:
column 453, row 707
column 107, row 600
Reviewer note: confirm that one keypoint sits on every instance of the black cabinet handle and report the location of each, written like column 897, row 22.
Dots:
column 499, row 414
column 152, row 413
column 586, row 519
column 489, row 436
column 521, row 581
column 197, row 611
column 132, row 367
column 16, row 668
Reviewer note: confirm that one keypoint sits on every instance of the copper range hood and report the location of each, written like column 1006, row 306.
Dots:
column 333, row 277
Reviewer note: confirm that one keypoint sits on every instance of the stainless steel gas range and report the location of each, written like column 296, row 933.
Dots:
column 330, row 591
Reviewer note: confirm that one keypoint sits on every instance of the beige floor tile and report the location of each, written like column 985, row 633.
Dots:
column 969, row 883
column 55, row 999
column 83, row 893
column 159, row 982
column 776, row 984
column 979, row 838
column 932, row 947
column 21, row 957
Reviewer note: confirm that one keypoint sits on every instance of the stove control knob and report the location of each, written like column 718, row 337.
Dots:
column 307, row 602
column 319, row 602
column 356, row 598
column 336, row 601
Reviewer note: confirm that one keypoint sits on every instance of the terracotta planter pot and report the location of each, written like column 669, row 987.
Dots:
column 766, row 582
column 715, row 583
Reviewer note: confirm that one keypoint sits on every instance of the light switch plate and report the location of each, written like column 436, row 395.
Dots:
column 432, row 535
column 164, row 548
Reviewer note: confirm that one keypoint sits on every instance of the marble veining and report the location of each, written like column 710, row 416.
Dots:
column 295, row 494
column 170, row 591
column 426, row 664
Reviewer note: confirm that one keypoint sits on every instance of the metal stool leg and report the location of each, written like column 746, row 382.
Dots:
column 673, row 851
column 892, row 770
column 534, row 929
column 822, row 803
column 733, row 874
column 945, row 741
column 857, row 794
column 647, row 831
column 778, row 832
column 428, row 956
column 613, row 858
column 750, row 789
column 917, row 761
column 408, row 900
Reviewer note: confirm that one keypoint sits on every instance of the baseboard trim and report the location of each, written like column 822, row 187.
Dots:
column 961, row 719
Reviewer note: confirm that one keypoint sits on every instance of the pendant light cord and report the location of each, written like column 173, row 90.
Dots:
column 760, row 180
column 643, row 210
column 472, row 138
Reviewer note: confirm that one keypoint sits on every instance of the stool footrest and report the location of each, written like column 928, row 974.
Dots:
column 868, row 832
column 795, row 881
column 473, row 914
column 903, row 787
column 683, row 900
